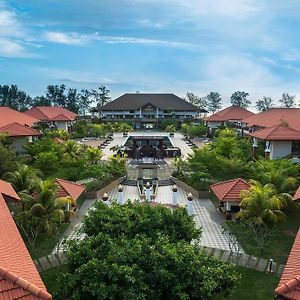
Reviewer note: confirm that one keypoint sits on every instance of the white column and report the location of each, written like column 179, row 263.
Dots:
column 140, row 112
column 157, row 112
column 120, row 194
column 254, row 142
column 190, row 208
column 148, row 191
column 175, row 194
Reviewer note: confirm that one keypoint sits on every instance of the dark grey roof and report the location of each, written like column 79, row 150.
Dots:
column 161, row 101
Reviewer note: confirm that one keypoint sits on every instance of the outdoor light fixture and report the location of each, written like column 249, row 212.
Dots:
column 105, row 197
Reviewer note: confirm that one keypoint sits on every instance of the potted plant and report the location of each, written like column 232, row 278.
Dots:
column 171, row 129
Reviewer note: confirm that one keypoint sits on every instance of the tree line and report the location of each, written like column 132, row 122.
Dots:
column 212, row 102
column 58, row 95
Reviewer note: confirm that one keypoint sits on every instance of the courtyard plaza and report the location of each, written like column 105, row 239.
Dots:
column 205, row 214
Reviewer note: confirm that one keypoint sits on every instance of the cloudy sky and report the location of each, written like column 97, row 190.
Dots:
column 152, row 45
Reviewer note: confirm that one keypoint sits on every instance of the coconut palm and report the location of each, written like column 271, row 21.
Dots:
column 262, row 205
column 71, row 149
column 24, row 179
column 93, row 155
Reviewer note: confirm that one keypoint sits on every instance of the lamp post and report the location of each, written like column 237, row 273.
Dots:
column 174, row 198
column 105, row 198
column 190, row 208
column 120, row 194
column 270, row 266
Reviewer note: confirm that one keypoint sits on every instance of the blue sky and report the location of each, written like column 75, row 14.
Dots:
column 152, row 46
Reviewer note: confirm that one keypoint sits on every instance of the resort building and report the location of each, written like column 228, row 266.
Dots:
column 53, row 116
column 228, row 193
column 232, row 115
column 289, row 284
column 279, row 128
column 18, row 125
column 19, row 278
column 149, row 110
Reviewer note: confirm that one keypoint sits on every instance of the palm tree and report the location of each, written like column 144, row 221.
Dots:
column 24, row 179
column 71, row 149
column 262, row 205
column 93, row 155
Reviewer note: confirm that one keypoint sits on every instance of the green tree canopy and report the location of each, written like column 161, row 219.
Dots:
column 214, row 101
column 196, row 100
column 264, row 104
column 287, row 100
column 239, row 98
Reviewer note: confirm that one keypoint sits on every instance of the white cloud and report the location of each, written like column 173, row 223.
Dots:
column 71, row 38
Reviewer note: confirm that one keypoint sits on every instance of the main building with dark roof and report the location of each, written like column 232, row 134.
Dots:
column 143, row 109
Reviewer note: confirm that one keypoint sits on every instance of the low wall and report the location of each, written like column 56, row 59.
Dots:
column 240, row 259
column 188, row 188
column 97, row 194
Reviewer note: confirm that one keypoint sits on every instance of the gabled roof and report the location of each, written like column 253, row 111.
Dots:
column 161, row 101
column 6, row 189
column 230, row 190
column 289, row 284
column 69, row 189
column 50, row 113
column 277, row 133
column 231, row 113
column 16, row 129
column 61, row 117
column 275, row 116
column 19, row 278
column 8, row 116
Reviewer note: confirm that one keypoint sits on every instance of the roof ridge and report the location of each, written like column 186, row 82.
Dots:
column 26, row 285
column 289, row 285
column 226, row 181
column 37, row 107
column 233, row 185
column 72, row 182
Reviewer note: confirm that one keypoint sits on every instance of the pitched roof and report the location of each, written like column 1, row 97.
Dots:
column 16, row 129
column 6, row 189
column 277, row 133
column 230, row 190
column 18, row 274
column 50, row 113
column 8, row 116
column 230, row 113
column 289, row 284
column 161, row 101
column 69, row 189
column 275, row 116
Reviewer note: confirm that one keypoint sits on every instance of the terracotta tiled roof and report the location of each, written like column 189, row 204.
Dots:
column 69, row 189
column 8, row 116
column 234, row 113
column 49, row 113
column 297, row 195
column 61, row 117
column 6, row 189
column 230, row 190
column 289, row 284
column 277, row 133
column 16, row 129
column 18, row 275
column 275, row 116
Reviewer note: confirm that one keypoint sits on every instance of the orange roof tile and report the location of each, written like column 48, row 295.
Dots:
column 61, row 117
column 16, row 129
column 229, row 190
column 49, row 113
column 275, row 116
column 289, row 284
column 6, row 189
column 17, row 268
column 8, row 115
column 232, row 113
column 69, row 189
column 277, row 133
column 296, row 197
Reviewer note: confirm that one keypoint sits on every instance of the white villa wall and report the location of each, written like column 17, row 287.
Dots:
column 62, row 125
column 18, row 142
column 280, row 149
column 213, row 125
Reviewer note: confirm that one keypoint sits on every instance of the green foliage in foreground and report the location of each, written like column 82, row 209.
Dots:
column 134, row 219
column 137, row 251
column 102, row 267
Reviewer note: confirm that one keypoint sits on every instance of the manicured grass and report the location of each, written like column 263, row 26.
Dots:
column 44, row 244
column 278, row 246
column 50, row 276
column 253, row 285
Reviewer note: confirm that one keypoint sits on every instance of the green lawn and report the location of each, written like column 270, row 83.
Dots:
column 279, row 246
column 253, row 285
column 44, row 244
column 49, row 277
